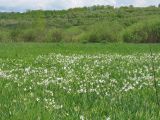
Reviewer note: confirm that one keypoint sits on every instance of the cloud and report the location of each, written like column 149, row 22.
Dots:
column 140, row 2
column 65, row 4
column 145, row 2
column 22, row 5
column 44, row 4
column 137, row 3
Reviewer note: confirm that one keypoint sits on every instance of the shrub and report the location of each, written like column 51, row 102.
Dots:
column 4, row 36
column 14, row 35
column 29, row 35
column 55, row 35
column 143, row 32
column 102, row 32
column 71, row 34
column 33, row 35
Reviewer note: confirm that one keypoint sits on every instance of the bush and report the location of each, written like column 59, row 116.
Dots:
column 14, row 35
column 143, row 32
column 71, row 34
column 4, row 36
column 29, row 35
column 33, row 35
column 55, row 35
column 102, row 32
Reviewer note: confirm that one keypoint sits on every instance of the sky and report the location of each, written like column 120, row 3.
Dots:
column 23, row 5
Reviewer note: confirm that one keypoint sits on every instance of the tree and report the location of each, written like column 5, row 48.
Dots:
column 131, row 6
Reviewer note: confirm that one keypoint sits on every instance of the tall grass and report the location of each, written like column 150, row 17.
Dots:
column 154, row 77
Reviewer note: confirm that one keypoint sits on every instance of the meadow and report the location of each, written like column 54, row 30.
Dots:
column 79, row 81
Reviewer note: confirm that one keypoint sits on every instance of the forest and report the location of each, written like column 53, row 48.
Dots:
column 96, row 24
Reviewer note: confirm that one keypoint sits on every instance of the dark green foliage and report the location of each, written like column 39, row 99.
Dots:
column 55, row 35
column 143, row 32
column 14, row 35
column 103, row 32
column 29, row 35
column 4, row 36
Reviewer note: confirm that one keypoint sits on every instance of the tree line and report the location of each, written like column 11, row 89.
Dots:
column 87, row 24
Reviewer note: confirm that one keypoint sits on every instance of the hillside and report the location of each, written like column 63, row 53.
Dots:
column 88, row 24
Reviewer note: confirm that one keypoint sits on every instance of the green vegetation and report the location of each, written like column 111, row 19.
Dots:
column 102, row 32
column 146, row 31
column 89, row 24
column 78, row 81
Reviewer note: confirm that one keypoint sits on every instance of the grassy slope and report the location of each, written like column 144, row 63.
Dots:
column 74, row 25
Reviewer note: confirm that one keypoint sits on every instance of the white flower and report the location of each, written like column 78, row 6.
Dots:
column 2, row 74
column 108, row 118
column 81, row 117
column 45, row 71
column 37, row 99
column 27, row 70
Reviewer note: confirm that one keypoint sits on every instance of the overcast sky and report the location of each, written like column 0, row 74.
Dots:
column 22, row 5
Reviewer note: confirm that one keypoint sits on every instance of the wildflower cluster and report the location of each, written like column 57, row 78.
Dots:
column 103, row 75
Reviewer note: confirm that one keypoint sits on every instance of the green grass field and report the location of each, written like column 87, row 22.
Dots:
column 79, row 81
